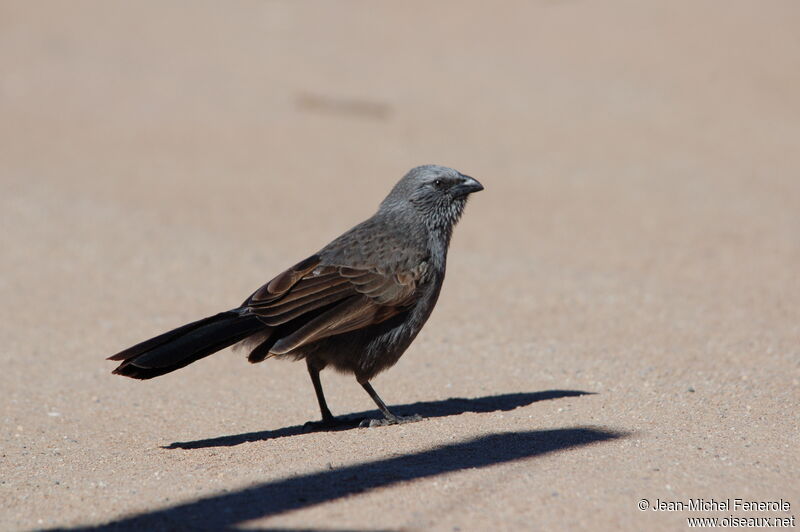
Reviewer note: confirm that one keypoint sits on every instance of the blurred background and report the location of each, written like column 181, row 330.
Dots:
column 594, row 125
column 638, row 237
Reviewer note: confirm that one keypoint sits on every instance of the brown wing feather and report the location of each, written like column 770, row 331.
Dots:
column 280, row 314
column 354, row 298
column 281, row 284
column 353, row 314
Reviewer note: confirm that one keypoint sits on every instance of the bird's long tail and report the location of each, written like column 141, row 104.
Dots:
column 184, row 345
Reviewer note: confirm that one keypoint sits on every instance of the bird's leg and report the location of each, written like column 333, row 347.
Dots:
column 327, row 418
column 389, row 418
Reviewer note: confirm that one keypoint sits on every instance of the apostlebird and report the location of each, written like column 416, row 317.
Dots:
column 355, row 305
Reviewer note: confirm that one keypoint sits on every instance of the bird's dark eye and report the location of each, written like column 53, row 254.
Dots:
column 438, row 183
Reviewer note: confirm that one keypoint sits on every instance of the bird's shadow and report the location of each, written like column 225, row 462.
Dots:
column 427, row 409
column 226, row 511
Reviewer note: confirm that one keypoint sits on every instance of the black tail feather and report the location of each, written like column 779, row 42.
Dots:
column 184, row 345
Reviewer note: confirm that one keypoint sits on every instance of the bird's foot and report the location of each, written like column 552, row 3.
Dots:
column 393, row 420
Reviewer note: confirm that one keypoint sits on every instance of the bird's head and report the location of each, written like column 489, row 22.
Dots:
column 437, row 193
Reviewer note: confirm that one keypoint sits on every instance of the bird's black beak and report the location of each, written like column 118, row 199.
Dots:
column 466, row 187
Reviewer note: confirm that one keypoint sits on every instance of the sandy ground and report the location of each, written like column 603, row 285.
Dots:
column 621, row 318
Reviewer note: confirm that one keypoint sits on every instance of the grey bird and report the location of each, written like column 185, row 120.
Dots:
column 355, row 305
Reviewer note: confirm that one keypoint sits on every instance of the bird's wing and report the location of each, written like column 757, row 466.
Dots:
column 328, row 299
